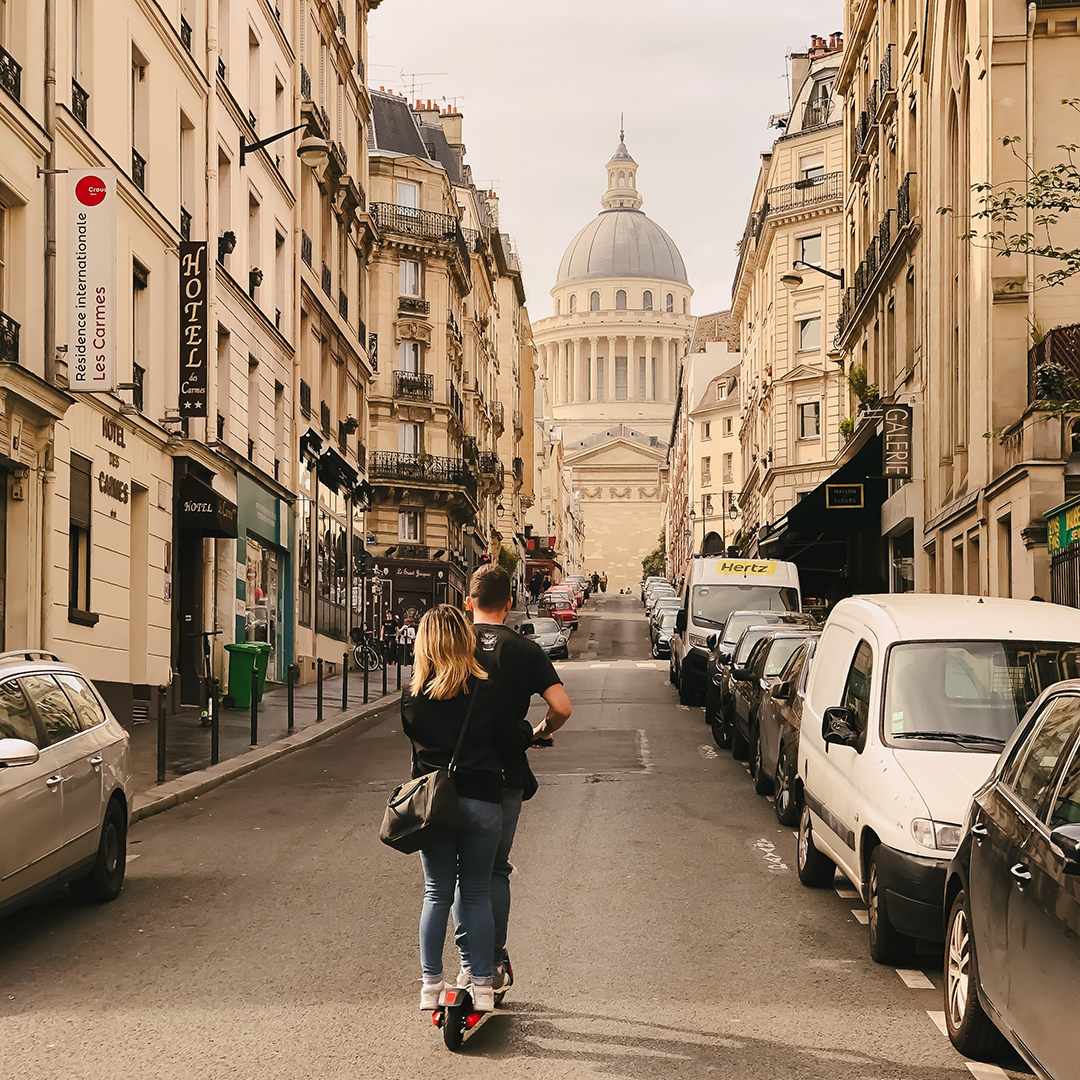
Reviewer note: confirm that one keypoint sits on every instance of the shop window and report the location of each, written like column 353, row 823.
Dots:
column 331, row 565
column 79, row 541
column 304, row 559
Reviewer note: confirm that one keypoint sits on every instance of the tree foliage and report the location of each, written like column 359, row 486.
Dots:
column 654, row 564
column 507, row 560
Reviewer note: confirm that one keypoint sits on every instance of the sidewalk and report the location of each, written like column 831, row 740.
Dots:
column 187, row 747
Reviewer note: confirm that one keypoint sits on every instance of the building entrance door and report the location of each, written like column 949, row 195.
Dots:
column 189, row 613
column 262, row 616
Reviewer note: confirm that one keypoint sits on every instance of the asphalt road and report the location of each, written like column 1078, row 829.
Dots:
column 659, row 928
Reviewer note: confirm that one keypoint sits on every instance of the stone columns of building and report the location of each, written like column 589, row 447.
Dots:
column 609, row 370
column 650, row 390
column 575, row 371
column 673, row 368
column 590, row 395
column 631, row 368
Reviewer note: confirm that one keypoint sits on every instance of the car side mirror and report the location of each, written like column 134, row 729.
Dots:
column 527, row 629
column 713, row 640
column 680, row 621
column 15, row 752
column 781, row 691
column 740, row 674
column 839, row 727
column 1066, row 838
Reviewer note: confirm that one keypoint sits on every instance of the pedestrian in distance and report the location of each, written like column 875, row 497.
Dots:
column 603, row 582
column 448, row 688
column 389, row 638
column 595, row 581
column 523, row 669
column 410, row 644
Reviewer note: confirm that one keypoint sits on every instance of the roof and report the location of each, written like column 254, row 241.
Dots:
column 438, row 149
column 622, row 154
column 622, row 243
column 934, row 617
column 394, row 127
column 718, row 326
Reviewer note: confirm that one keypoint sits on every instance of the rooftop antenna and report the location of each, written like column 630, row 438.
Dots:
column 453, row 100
column 414, row 75
column 622, row 128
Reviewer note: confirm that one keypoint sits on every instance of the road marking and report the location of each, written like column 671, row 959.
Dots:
column 914, row 979
column 645, row 664
column 132, row 858
column 861, row 915
column 707, row 752
column 939, row 1020
column 594, row 664
column 981, row 1071
column 847, row 894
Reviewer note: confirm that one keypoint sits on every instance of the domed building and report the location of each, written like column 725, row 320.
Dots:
column 610, row 358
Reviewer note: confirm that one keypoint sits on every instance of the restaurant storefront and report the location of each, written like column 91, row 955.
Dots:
column 1063, row 544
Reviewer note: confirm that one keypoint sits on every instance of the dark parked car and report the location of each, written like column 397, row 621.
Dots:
column 664, row 605
column 750, row 680
column 549, row 635
column 662, row 639
column 1012, row 894
column 779, row 720
column 717, row 700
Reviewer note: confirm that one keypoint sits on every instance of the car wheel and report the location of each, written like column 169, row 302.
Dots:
column 784, row 800
column 671, row 670
column 106, row 877
column 740, row 748
column 686, row 691
column 971, row 1031
column 887, row 944
column 655, row 652
column 762, row 783
column 815, row 869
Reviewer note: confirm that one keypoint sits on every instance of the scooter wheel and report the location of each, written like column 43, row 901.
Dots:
column 453, row 1027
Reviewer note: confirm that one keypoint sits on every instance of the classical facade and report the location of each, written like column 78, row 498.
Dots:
column 610, row 357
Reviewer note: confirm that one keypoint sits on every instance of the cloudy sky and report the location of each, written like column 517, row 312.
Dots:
column 542, row 87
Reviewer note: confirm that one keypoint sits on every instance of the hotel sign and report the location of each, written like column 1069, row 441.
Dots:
column 92, row 329
column 897, row 443
column 194, row 327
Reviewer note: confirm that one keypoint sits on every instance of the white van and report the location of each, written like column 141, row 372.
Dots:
column 910, row 701
column 713, row 588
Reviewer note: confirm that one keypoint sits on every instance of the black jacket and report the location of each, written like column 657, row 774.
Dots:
column 494, row 737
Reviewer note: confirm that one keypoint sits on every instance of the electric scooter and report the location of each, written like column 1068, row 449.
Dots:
column 456, row 1016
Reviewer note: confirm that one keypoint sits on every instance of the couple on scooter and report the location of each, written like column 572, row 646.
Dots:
column 469, row 869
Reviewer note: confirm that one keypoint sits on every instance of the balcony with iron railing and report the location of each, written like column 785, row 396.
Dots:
column 423, row 224
column 305, row 83
column 138, row 169
column 305, row 399
column 9, row 339
column 885, row 73
column 1054, row 366
column 452, row 327
column 498, row 415
column 491, row 468
column 420, row 469
column 79, row 100
column 324, row 417
column 327, row 280
column 10, row 74
column 816, row 113
column 413, row 305
column 305, row 248
column 340, row 19
column 343, row 304
column 361, row 457
column 414, row 386
column 454, row 400
column 519, row 471
column 810, row 191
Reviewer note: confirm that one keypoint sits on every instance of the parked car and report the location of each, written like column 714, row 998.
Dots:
column 1013, row 897
column 779, row 720
column 549, row 635
column 721, row 647
column 646, row 582
column 65, row 783
column 576, row 589
column 662, row 641
column 911, row 699
column 662, row 607
column 581, row 581
column 657, row 594
column 560, row 607
column 750, row 684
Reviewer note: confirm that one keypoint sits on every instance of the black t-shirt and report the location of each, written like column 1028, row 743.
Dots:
column 523, row 669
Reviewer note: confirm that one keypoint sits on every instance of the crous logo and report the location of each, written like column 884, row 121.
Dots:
column 91, row 190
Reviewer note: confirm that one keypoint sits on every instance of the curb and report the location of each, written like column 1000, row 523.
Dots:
column 183, row 789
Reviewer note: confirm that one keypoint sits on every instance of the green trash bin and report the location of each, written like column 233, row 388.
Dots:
column 244, row 657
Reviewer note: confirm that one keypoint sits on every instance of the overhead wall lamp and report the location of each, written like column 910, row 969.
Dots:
column 793, row 279
column 312, row 151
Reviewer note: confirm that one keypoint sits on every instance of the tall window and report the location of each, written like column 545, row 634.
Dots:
column 79, row 534
column 706, row 470
column 685, row 305
column 594, row 301
column 78, row 38
column 140, row 332
column 409, row 357
column 810, row 334
column 573, row 304
column 646, row 301
column 620, row 300
column 409, row 438
column 620, row 378
column 810, row 249
column 409, row 525
column 809, row 419
column 4, row 213
column 408, row 194
column 728, row 425
column 729, row 468
column 706, row 431
column 409, row 278
column 253, row 76
column 669, row 303
column 601, row 364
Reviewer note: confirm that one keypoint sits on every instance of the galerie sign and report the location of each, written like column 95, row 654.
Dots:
column 896, row 461
column 194, row 327
column 92, row 280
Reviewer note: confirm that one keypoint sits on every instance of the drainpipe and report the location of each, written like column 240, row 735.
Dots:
column 1030, row 223
column 50, row 314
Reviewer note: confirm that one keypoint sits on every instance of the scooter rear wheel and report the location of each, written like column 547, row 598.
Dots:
column 453, row 1026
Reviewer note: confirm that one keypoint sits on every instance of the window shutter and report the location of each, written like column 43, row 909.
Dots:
column 80, row 491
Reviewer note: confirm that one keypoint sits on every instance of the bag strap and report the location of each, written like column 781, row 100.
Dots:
column 472, row 684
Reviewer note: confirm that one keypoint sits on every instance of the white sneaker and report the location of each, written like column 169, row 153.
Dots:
column 430, row 994
column 502, row 976
column 483, row 998
column 464, row 977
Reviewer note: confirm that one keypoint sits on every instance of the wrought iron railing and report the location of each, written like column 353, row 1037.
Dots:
column 1054, row 365
column 872, row 101
column 344, row 156
column 340, row 19
column 305, row 247
column 886, row 71
column 138, row 169
column 361, row 73
column 807, row 192
column 325, row 117
column 10, row 74
column 185, row 33
column 452, row 326
column 519, row 470
column 343, row 435
column 138, row 381
column 9, row 339
column 361, row 457
column 903, row 202
column 361, row 328
column 79, row 99
column 330, row 618
column 885, row 234
column 454, row 400
column 862, row 132
column 519, row 422
column 413, row 305
column 490, row 465
column 414, row 385
column 305, row 398
column 343, row 304
column 816, row 113
column 413, row 551
column 498, row 414
column 324, row 417
column 407, row 221
column 420, row 469
column 185, row 224
column 327, row 280
column 373, row 350
column 305, row 83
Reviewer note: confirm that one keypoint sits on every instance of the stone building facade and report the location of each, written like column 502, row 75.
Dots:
column 610, row 357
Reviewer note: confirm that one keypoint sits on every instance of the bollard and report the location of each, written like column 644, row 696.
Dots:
column 254, row 707
column 345, row 681
column 318, row 693
column 365, row 681
column 215, row 721
column 162, row 691
column 384, row 677
column 399, row 676
column 293, row 671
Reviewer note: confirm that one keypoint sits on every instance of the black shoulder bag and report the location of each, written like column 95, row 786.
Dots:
column 420, row 809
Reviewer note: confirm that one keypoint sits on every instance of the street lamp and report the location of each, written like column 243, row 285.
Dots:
column 793, row 279
column 312, row 150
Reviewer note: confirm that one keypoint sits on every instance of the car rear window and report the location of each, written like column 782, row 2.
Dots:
column 53, row 707
column 87, row 707
column 780, row 654
column 16, row 719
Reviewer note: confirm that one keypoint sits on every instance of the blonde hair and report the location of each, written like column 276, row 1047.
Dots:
column 444, row 654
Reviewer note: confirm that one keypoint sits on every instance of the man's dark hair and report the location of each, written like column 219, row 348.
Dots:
column 490, row 588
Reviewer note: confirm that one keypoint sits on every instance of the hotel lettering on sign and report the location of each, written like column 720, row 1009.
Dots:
column 896, row 443
column 194, row 323
column 91, row 258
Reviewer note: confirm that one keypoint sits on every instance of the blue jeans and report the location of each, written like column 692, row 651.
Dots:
column 500, row 887
column 461, row 860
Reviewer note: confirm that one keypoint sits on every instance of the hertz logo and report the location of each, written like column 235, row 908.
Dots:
column 745, row 566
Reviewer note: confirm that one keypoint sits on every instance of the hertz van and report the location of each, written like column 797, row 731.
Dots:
column 713, row 589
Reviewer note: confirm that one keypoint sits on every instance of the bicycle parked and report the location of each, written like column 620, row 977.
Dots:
column 366, row 653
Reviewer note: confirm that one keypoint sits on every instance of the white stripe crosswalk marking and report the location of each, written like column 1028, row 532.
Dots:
column 914, row 979
column 595, row 665
column 861, row 915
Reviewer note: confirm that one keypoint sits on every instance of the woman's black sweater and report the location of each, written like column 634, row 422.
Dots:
column 493, row 737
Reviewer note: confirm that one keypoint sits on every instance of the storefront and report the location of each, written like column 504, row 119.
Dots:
column 409, row 587
column 1063, row 543
column 264, row 552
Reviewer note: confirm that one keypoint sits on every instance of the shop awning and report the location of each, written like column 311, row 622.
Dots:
column 202, row 510
column 336, row 473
